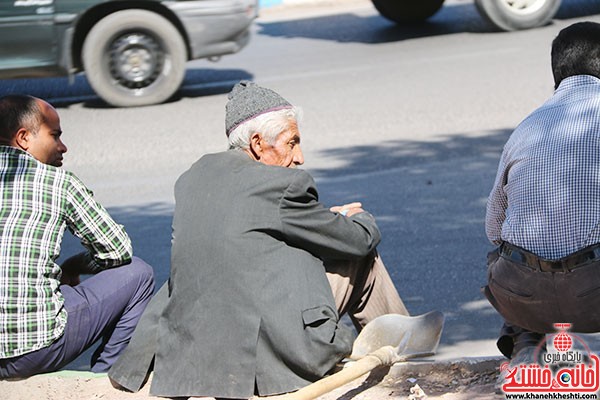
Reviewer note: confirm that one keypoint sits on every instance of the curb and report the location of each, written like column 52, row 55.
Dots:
column 468, row 378
column 265, row 4
column 288, row 9
column 269, row 3
column 475, row 365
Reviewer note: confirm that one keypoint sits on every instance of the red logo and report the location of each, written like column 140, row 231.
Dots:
column 562, row 341
column 569, row 368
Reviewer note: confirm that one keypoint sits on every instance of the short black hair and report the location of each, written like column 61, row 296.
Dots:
column 576, row 51
column 19, row 111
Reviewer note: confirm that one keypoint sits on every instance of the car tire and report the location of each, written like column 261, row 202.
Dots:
column 401, row 11
column 134, row 58
column 508, row 16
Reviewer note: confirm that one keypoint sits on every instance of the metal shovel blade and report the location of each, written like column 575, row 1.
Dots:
column 386, row 340
column 389, row 330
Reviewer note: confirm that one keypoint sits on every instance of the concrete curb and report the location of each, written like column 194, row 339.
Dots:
column 475, row 365
column 269, row 3
column 294, row 9
column 265, row 4
column 468, row 378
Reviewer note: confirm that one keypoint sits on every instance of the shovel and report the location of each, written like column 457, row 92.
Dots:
column 384, row 341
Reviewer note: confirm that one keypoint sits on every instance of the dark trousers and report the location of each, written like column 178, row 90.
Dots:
column 105, row 306
column 531, row 301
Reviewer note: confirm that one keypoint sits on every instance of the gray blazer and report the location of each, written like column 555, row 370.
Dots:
column 249, row 304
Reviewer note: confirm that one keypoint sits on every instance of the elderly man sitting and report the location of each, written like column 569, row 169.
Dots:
column 260, row 269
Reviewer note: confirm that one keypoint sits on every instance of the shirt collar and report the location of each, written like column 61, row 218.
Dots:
column 577, row 80
column 13, row 150
column 10, row 150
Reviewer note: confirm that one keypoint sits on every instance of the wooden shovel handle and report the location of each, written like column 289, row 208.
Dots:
column 386, row 355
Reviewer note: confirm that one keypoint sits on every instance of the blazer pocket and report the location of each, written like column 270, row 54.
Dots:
column 320, row 323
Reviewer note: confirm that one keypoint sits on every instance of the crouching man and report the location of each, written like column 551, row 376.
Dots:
column 47, row 317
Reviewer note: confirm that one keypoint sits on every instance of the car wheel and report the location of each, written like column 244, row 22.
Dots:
column 407, row 10
column 134, row 58
column 511, row 15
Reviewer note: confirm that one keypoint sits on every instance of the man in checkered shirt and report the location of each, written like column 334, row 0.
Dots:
column 544, row 208
column 47, row 316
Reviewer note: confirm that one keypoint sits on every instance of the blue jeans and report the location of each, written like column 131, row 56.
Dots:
column 105, row 306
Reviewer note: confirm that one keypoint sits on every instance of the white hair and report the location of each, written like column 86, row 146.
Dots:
column 270, row 125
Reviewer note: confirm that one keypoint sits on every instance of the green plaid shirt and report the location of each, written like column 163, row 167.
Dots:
column 38, row 203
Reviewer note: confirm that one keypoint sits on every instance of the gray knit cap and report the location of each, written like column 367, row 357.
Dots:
column 248, row 100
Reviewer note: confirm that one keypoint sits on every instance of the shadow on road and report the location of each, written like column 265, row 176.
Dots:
column 61, row 93
column 429, row 199
column 374, row 29
column 456, row 18
column 383, row 156
column 577, row 9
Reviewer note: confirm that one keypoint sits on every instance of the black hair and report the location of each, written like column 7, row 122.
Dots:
column 576, row 51
column 16, row 112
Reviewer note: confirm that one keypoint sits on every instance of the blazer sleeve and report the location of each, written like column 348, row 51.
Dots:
column 307, row 224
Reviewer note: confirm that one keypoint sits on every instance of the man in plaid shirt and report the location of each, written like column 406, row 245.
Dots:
column 544, row 209
column 47, row 317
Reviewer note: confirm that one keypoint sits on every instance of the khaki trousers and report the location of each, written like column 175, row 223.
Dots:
column 363, row 289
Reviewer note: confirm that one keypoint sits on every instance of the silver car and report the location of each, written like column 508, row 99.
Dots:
column 132, row 51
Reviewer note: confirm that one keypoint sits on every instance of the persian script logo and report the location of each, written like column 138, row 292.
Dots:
column 570, row 367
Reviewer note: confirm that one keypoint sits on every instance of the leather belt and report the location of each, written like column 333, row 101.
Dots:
column 566, row 264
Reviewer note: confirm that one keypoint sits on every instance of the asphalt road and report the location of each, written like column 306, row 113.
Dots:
column 409, row 120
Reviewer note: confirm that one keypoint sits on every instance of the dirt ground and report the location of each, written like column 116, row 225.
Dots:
column 450, row 382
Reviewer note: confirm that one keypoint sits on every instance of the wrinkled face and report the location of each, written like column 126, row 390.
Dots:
column 286, row 151
column 46, row 146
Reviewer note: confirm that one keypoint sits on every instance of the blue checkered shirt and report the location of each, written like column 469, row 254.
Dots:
column 37, row 203
column 546, row 197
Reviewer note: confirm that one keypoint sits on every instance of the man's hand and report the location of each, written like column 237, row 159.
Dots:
column 69, row 279
column 72, row 267
column 348, row 210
